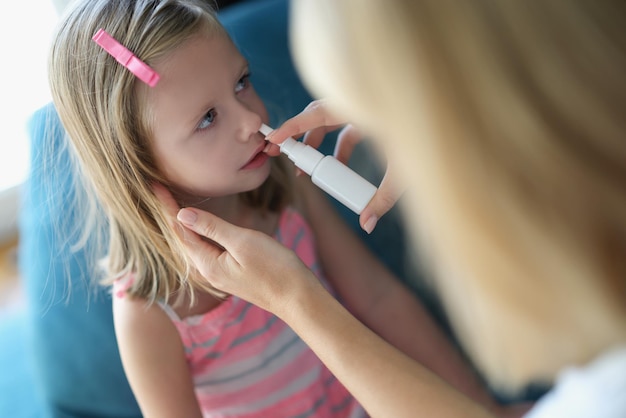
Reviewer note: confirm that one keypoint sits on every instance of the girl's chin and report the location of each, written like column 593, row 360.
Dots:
column 254, row 179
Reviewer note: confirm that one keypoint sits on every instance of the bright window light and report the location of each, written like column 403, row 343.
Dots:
column 25, row 29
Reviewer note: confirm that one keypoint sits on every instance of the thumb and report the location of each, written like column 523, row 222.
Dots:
column 384, row 199
column 223, row 234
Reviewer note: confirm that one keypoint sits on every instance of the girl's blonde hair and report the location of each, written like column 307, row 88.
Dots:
column 507, row 118
column 100, row 105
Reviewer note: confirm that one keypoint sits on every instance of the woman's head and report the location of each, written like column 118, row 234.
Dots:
column 507, row 120
column 195, row 131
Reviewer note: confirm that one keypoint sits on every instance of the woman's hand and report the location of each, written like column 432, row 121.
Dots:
column 240, row 261
column 315, row 121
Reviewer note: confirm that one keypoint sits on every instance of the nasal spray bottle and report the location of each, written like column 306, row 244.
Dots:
column 328, row 173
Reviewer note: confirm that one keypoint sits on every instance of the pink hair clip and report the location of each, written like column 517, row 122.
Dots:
column 126, row 58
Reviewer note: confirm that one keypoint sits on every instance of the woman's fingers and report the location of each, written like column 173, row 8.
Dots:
column 201, row 252
column 235, row 260
column 347, row 139
column 226, row 235
column 243, row 262
column 228, row 260
column 314, row 137
column 315, row 115
column 316, row 120
column 388, row 193
column 212, row 259
column 272, row 150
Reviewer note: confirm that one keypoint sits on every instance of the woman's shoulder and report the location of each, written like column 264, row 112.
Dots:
column 602, row 384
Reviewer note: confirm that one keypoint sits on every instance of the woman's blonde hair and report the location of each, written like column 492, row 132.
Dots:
column 100, row 105
column 507, row 119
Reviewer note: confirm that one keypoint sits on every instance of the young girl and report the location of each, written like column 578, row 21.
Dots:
column 156, row 101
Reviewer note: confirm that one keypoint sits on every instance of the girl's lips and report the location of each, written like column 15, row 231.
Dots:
column 257, row 159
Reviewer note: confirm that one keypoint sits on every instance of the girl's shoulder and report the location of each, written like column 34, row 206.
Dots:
column 121, row 285
column 128, row 307
column 131, row 306
column 123, row 301
column 133, row 315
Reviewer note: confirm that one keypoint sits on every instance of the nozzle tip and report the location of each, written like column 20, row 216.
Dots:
column 265, row 130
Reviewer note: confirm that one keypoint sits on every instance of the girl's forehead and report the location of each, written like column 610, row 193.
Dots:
column 201, row 48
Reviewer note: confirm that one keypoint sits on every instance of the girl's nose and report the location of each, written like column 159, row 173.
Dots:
column 248, row 122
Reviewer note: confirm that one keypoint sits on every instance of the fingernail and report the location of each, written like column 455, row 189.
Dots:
column 370, row 224
column 187, row 216
column 267, row 147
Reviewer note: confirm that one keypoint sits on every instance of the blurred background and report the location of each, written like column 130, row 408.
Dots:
column 25, row 29
column 25, row 32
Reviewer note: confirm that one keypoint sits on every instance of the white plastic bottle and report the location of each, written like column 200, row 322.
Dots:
column 328, row 173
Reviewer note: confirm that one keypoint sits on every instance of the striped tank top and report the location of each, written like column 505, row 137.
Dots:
column 246, row 362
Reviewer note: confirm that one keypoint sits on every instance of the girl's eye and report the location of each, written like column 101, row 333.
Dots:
column 242, row 83
column 207, row 120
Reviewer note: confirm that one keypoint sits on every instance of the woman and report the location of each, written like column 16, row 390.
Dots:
column 507, row 118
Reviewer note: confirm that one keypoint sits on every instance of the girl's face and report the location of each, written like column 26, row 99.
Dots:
column 206, row 120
